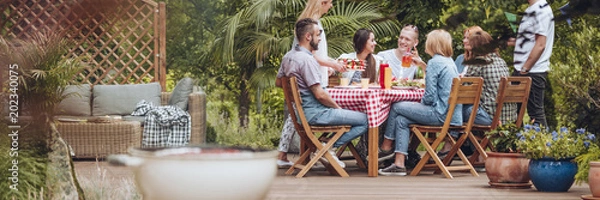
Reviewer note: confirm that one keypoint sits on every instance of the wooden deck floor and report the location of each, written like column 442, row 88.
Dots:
column 321, row 185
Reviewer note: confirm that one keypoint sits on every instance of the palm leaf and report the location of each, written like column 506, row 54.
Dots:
column 254, row 34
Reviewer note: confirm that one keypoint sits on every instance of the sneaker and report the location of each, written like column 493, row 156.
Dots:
column 393, row 170
column 480, row 169
column 442, row 155
column 284, row 164
column 332, row 152
column 318, row 166
column 384, row 155
column 412, row 159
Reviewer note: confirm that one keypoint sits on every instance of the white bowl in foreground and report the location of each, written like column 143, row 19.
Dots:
column 201, row 172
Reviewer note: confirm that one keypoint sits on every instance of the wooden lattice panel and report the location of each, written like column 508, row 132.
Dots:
column 124, row 40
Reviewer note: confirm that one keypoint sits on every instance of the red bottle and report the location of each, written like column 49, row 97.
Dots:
column 382, row 67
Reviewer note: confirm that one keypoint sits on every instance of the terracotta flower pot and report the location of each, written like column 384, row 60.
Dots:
column 507, row 170
column 594, row 178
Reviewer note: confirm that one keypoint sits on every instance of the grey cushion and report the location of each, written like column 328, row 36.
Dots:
column 122, row 99
column 179, row 96
column 76, row 102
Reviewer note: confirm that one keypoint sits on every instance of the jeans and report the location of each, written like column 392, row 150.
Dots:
column 481, row 118
column 535, row 104
column 402, row 114
column 357, row 120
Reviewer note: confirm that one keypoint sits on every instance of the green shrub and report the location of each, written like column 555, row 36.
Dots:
column 259, row 134
column 576, row 75
column 211, row 134
column 32, row 161
column 583, row 163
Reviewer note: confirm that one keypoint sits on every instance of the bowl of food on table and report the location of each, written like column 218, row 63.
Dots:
column 407, row 84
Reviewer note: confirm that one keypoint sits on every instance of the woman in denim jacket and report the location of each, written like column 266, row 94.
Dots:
column 439, row 71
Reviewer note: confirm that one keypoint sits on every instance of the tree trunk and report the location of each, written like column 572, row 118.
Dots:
column 244, row 105
column 61, row 180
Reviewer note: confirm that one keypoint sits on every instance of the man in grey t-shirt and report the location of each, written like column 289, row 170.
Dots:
column 319, row 107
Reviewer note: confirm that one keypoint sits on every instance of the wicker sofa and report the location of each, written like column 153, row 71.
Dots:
column 103, row 132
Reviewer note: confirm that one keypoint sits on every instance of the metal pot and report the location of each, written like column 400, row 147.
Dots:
column 200, row 172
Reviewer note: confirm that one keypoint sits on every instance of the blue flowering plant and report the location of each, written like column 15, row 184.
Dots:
column 539, row 142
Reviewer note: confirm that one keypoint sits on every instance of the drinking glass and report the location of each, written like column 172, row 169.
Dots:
column 406, row 60
column 344, row 81
column 364, row 83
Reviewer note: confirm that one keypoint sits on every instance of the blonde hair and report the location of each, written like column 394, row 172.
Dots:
column 312, row 10
column 439, row 41
column 467, row 32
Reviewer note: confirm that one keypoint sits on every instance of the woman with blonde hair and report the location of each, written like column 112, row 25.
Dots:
column 314, row 9
column 431, row 110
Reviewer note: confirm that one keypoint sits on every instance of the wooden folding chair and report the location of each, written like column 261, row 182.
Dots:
column 308, row 134
column 350, row 146
column 464, row 91
column 514, row 89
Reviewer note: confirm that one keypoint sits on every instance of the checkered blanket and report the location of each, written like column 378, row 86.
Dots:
column 164, row 126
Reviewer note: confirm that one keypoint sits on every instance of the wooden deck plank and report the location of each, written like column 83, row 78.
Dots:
column 322, row 185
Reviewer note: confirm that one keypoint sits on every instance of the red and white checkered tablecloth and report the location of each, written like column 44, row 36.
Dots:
column 375, row 102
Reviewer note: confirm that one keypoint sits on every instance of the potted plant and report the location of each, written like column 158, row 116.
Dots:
column 41, row 70
column 551, row 167
column 588, row 170
column 505, row 166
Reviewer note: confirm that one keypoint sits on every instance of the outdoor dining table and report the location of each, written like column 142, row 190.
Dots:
column 376, row 103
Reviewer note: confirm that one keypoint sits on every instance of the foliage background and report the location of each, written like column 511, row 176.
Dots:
column 245, row 90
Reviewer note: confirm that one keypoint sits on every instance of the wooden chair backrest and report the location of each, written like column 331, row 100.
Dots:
column 513, row 89
column 298, row 102
column 292, row 95
column 464, row 91
column 290, row 102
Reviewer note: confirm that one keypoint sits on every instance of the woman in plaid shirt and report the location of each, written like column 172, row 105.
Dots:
column 485, row 62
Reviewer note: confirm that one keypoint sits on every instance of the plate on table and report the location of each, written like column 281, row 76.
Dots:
column 405, row 87
column 374, row 87
column 347, row 87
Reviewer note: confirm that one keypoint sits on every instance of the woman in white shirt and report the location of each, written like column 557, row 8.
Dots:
column 364, row 45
